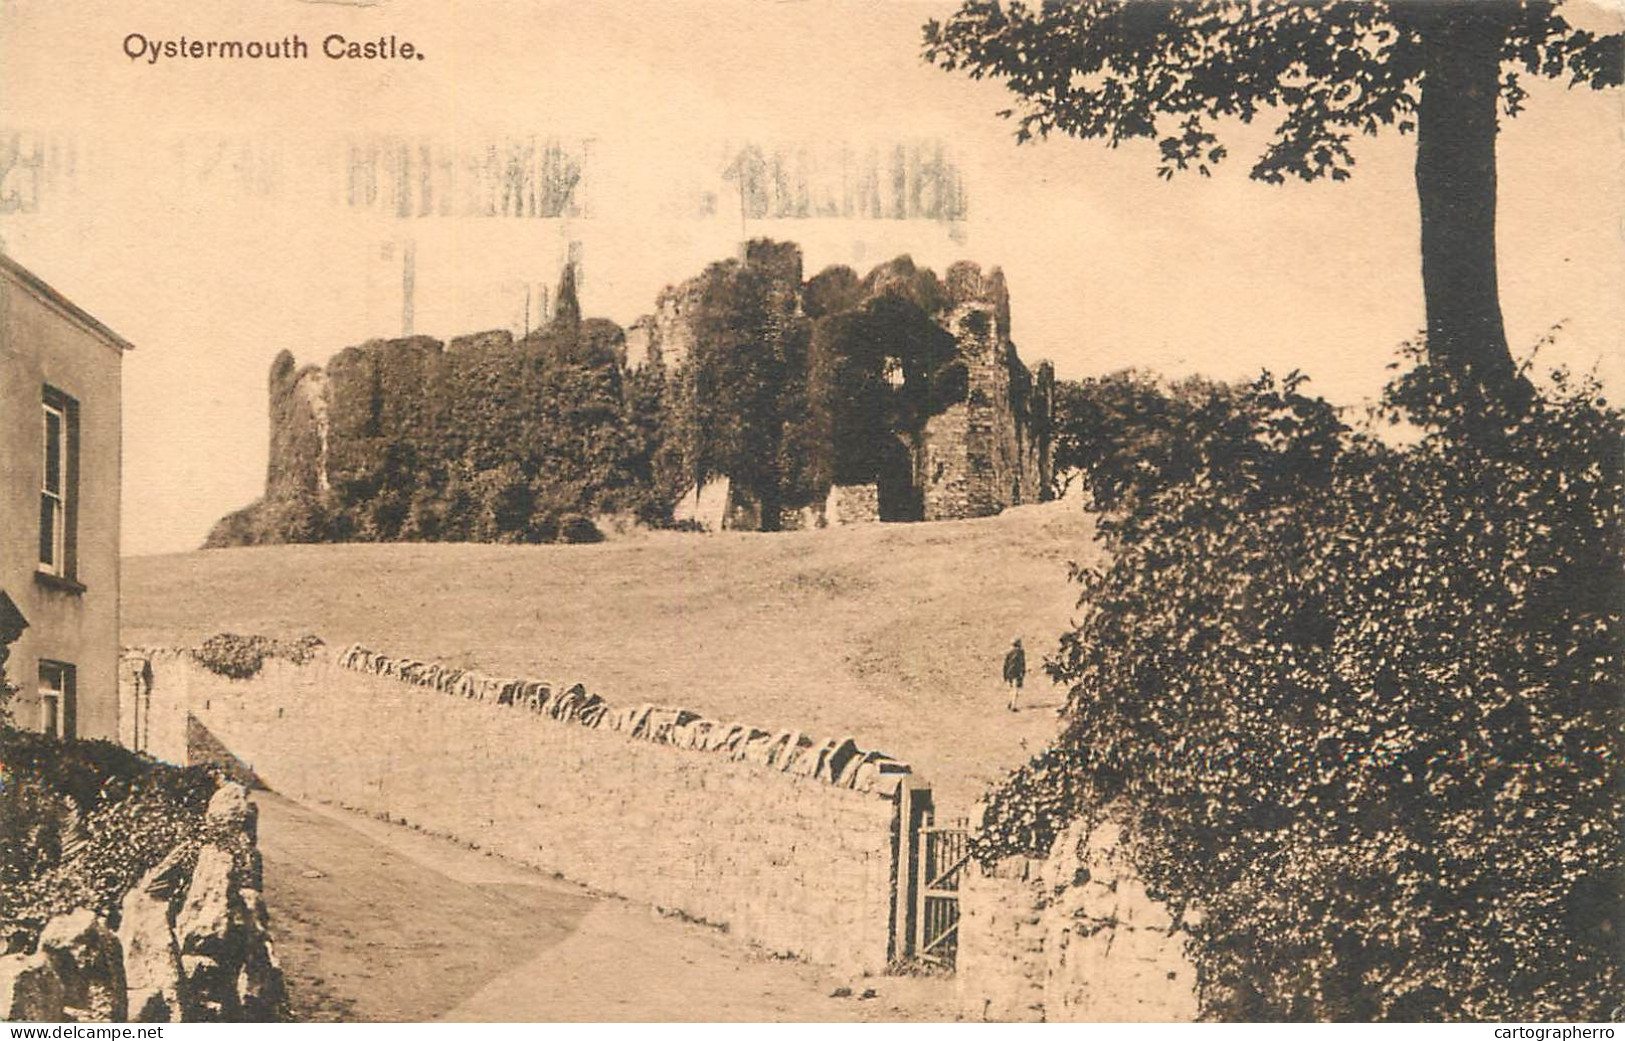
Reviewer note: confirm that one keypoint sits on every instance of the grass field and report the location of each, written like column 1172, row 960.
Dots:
column 891, row 633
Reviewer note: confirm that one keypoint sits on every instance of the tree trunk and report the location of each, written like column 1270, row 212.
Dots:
column 1456, row 186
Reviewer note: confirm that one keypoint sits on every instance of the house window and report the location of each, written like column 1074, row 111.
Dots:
column 59, row 475
column 56, row 698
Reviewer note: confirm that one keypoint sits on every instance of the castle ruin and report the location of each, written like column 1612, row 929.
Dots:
column 896, row 397
column 985, row 448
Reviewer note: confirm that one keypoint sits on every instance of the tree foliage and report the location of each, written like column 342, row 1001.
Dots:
column 749, row 343
column 1118, row 70
column 1363, row 707
column 1175, row 72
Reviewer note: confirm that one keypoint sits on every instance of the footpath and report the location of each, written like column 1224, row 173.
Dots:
column 375, row 922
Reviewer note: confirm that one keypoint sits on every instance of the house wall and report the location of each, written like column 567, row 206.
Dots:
column 41, row 342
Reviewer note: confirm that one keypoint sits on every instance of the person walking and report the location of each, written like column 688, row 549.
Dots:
column 1015, row 670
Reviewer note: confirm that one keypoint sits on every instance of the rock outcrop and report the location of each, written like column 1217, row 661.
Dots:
column 193, row 942
column 1074, row 938
column 30, row 989
column 210, row 930
column 152, row 958
column 89, row 960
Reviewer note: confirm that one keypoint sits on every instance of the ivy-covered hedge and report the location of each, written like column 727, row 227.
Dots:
column 1362, row 705
column 241, row 657
column 81, row 822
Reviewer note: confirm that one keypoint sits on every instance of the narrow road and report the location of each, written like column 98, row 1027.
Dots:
column 375, row 922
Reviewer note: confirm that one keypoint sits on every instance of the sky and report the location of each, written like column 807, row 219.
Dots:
column 217, row 212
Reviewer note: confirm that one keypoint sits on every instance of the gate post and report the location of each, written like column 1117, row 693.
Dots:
column 914, row 812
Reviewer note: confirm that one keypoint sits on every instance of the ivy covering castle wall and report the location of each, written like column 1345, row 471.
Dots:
column 900, row 382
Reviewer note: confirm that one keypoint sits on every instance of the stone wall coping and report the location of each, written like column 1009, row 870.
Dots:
column 837, row 762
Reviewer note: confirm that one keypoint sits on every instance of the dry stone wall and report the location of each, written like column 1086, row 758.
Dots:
column 784, row 840
column 1074, row 938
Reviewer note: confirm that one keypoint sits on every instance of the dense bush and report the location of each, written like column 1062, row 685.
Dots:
column 81, row 821
column 241, row 657
column 1361, row 705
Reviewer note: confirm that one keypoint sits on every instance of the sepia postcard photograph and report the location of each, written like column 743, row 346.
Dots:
column 812, row 511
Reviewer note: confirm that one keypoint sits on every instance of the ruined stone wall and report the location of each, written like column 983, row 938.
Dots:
column 334, row 423
column 672, row 331
column 491, row 339
column 971, row 459
column 999, row 966
column 965, row 467
column 852, row 504
column 780, row 264
column 717, row 505
column 298, row 457
column 786, row 842
column 1073, row 938
column 380, row 394
column 989, row 452
column 642, row 346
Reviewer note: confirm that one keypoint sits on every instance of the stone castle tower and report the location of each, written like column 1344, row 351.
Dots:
column 985, row 452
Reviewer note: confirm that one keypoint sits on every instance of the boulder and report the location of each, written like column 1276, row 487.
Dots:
column 209, row 990
column 89, row 960
column 30, row 989
column 152, row 960
column 261, row 992
column 205, row 923
column 833, row 762
column 231, row 809
column 210, row 931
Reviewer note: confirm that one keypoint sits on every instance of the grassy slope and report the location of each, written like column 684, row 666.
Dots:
column 891, row 633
